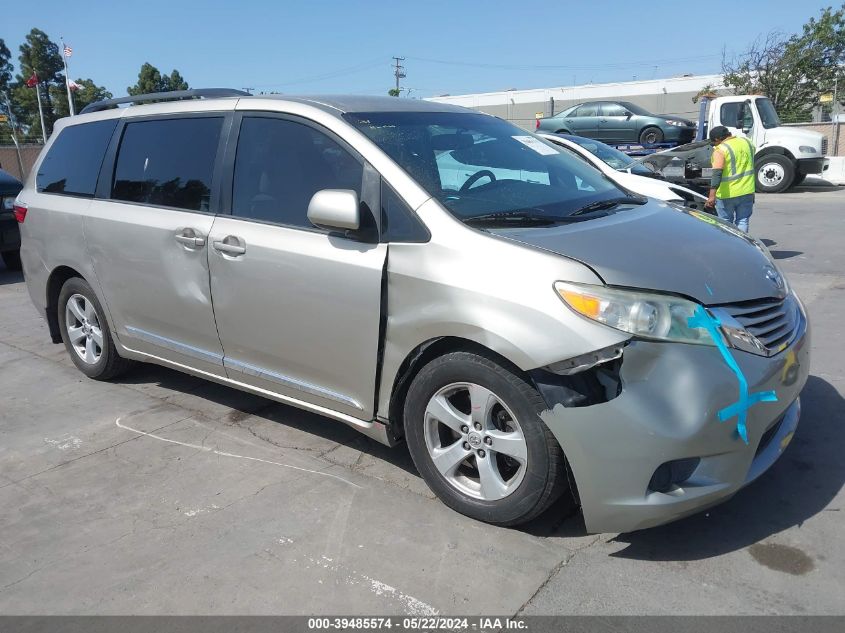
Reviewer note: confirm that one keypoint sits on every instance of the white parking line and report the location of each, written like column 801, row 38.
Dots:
column 208, row 449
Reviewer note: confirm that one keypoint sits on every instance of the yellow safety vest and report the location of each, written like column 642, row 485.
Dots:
column 738, row 173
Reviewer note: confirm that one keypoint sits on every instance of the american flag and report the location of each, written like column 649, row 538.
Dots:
column 68, row 51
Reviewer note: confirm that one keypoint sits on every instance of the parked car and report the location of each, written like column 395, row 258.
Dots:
column 10, row 237
column 628, row 172
column 536, row 338
column 619, row 122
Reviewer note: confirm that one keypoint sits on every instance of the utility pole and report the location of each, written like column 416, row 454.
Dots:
column 398, row 71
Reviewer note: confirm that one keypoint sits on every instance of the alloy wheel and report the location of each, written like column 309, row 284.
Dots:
column 83, row 328
column 475, row 441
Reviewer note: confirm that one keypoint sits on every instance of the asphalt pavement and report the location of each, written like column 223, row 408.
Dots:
column 164, row 494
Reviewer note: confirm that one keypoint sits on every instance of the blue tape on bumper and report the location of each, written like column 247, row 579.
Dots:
column 703, row 319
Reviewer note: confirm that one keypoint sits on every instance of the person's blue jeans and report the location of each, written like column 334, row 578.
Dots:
column 736, row 210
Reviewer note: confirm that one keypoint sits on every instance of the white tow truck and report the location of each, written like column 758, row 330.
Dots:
column 785, row 155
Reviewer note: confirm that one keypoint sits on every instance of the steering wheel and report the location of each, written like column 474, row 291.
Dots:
column 476, row 177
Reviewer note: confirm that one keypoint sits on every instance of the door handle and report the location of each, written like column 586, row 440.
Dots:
column 227, row 247
column 190, row 238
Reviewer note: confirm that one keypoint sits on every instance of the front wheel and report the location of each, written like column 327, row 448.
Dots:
column 775, row 173
column 475, row 434
column 651, row 136
column 85, row 332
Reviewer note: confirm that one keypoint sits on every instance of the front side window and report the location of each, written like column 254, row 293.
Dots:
column 73, row 162
column 729, row 114
column 768, row 115
column 281, row 164
column 168, row 162
column 610, row 155
column 612, row 109
column 476, row 164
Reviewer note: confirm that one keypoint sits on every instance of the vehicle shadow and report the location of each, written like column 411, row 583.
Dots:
column 244, row 405
column 811, row 185
column 800, row 485
column 9, row 276
column 785, row 254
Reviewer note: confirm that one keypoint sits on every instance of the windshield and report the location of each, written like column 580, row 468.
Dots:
column 608, row 154
column 768, row 115
column 477, row 165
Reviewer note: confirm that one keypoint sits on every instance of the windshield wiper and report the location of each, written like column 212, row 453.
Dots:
column 515, row 217
column 610, row 203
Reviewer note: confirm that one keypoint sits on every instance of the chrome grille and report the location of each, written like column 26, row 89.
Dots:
column 773, row 322
column 824, row 146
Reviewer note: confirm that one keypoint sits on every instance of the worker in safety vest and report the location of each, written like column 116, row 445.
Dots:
column 732, row 182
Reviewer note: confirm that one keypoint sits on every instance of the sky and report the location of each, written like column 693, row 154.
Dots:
column 450, row 47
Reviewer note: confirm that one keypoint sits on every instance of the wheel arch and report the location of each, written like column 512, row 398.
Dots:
column 56, row 280
column 776, row 149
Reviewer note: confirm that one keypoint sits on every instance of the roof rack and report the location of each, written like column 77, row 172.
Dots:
column 105, row 104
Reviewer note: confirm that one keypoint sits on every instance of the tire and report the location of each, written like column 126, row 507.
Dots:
column 799, row 178
column 651, row 135
column 523, row 479
column 12, row 259
column 81, row 322
column 775, row 173
column 564, row 132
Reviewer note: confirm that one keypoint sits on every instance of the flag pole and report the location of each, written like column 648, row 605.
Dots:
column 67, row 79
column 40, row 109
column 14, row 136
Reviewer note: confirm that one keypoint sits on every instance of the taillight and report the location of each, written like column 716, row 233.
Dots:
column 20, row 213
column 537, row 124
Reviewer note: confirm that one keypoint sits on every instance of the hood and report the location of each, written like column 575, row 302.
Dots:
column 787, row 136
column 657, row 247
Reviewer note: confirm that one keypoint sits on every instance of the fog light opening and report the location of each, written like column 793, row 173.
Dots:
column 671, row 474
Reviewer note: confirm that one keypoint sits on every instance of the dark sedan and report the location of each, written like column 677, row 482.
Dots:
column 10, row 237
column 619, row 122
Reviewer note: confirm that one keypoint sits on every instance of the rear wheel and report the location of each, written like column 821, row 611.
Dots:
column 775, row 173
column 651, row 135
column 12, row 259
column 85, row 332
column 563, row 132
column 474, row 432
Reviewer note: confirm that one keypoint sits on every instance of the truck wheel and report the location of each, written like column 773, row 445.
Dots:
column 12, row 259
column 651, row 135
column 775, row 173
column 475, row 434
column 85, row 332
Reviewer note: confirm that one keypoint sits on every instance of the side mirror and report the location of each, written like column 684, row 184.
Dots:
column 628, row 115
column 335, row 209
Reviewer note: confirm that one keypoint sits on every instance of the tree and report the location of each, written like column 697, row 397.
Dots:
column 792, row 70
column 151, row 80
column 88, row 92
column 41, row 56
column 393, row 92
column 5, row 66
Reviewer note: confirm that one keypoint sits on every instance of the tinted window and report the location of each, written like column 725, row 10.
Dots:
column 588, row 109
column 398, row 223
column 281, row 164
column 612, row 109
column 73, row 163
column 168, row 162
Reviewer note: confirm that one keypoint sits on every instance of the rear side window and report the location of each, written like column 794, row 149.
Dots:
column 588, row 109
column 73, row 162
column 281, row 164
column 168, row 162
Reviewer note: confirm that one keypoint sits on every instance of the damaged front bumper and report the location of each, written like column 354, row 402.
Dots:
column 666, row 412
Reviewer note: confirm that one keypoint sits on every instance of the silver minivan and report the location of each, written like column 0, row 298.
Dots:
column 426, row 274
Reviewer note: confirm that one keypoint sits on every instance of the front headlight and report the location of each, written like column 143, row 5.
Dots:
column 676, row 123
column 643, row 314
column 807, row 149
